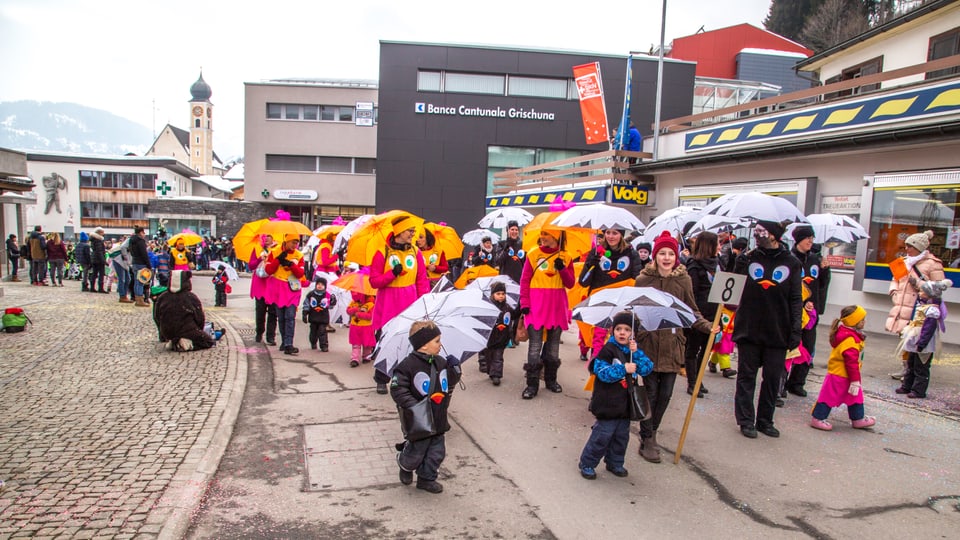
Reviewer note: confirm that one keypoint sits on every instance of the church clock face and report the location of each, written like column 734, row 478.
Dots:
column 198, row 111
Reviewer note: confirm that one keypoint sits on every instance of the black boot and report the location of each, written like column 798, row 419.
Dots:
column 533, row 385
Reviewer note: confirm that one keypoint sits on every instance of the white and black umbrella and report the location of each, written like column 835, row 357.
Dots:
column 474, row 237
column 830, row 228
column 715, row 223
column 499, row 218
column 655, row 309
column 338, row 313
column 465, row 319
column 755, row 206
column 231, row 272
column 344, row 235
column 599, row 217
column 673, row 220
column 484, row 284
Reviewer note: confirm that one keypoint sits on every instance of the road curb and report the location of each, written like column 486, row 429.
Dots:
column 187, row 488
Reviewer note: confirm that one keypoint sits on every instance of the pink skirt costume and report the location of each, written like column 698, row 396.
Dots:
column 801, row 355
column 543, row 289
column 179, row 259
column 258, row 285
column 396, row 293
column 361, row 327
column 325, row 259
column 277, row 290
column 843, row 368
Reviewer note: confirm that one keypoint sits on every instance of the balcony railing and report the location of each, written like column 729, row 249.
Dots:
column 601, row 168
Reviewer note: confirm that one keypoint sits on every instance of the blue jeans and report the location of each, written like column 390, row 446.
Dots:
column 287, row 321
column 137, row 286
column 608, row 440
column 123, row 276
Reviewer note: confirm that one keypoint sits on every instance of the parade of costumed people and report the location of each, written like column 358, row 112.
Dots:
column 285, row 266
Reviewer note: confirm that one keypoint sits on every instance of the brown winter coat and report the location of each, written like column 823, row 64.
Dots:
column 904, row 294
column 665, row 347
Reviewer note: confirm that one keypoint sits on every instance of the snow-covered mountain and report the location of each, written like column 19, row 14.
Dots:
column 69, row 127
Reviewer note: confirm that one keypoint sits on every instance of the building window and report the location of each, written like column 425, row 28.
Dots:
column 322, row 164
column 328, row 113
column 198, row 138
column 429, row 81
column 291, row 112
column 346, row 114
column 196, row 122
column 311, row 112
column 471, row 83
column 869, row 67
column 942, row 46
column 112, row 210
column 537, row 87
column 274, row 111
column 117, row 180
column 899, row 212
column 314, row 113
column 504, row 158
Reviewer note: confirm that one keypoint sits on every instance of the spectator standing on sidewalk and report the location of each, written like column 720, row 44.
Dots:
column 13, row 254
column 140, row 260
column 57, row 257
column 82, row 254
column 38, row 257
column 98, row 260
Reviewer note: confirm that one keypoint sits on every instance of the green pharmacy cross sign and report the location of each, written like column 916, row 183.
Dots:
column 163, row 188
column 265, row 193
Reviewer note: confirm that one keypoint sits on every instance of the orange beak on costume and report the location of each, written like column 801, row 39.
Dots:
column 766, row 284
column 808, row 279
column 614, row 274
column 436, row 397
column 501, row 326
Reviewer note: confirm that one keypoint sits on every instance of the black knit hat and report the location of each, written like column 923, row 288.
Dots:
column 497, row 286
column 739, row 243
column 775, row 228
column 513, row 223
column 625, row 318
column 802, row 232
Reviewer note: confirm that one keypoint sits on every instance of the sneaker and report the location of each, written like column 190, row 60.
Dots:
column 865, row 422
column 749, row 432
column 354, row 363
column 583, row 358
column 820, row 424
column 381, row 388
column 902, row 390
column 324, row 349
column 769, row 431
column 291, row 350
column 406, row 477
column 618, row 471
column 712, row 367
column 495, row 381
column 797, row 392
column 554, row 387
column 430, row 486
column 690, row 391
column 588, row 472
column 729, row 373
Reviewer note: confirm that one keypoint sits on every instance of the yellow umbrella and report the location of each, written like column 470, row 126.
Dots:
column 473, row 273
column 247, row 239
column 372, row 236
column 446, row 238
column 358, row 282
column 189, row 239
column 284, row 227
column 574, row 240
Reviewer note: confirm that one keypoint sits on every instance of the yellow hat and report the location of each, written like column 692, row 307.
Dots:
column 403, row 223
column 854, row 318
column 288, row 237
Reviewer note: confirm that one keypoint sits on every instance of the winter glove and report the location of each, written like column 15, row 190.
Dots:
column 282, row 256
column 397, row 269
column 558, row 263
column 284, row 262
column 854, row 388
column 524, row 311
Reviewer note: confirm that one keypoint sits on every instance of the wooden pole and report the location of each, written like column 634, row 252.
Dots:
column 696, row 387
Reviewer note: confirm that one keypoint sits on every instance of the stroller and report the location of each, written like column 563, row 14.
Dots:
column 74, row 272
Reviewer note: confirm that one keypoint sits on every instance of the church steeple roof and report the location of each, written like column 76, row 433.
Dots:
column 200, row 90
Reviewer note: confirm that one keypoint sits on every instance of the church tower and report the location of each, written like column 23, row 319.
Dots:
column 201, row 127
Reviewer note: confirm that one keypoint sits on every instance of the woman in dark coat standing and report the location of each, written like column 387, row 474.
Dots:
column 702, row 267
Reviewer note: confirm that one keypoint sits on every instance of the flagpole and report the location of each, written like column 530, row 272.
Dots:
column 656, row 119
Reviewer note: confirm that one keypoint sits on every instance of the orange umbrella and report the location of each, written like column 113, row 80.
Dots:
column 247, row 239
column 372, row 236
column 447, row 239
column 574, row 240
column 358, row 282
column 473, row 273
column 284, row 227
column 189, row 239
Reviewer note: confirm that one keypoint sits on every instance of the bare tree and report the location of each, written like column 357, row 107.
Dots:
column 834, row 21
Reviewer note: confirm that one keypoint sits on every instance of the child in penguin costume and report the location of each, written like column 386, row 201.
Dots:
column 178, row 314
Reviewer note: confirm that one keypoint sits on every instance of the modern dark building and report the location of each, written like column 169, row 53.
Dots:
column 453, row 115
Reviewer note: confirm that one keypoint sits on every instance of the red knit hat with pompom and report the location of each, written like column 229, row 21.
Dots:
column 665, row 240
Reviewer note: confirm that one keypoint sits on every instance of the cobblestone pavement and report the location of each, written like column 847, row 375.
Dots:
column 104, row 434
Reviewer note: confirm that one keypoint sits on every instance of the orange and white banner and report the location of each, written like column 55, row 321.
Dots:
column 592, row 107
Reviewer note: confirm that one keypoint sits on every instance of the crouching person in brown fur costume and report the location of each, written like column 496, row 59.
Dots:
column 178, row 314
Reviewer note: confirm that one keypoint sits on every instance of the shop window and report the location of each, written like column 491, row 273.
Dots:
column 942, row 46
column 902, row 211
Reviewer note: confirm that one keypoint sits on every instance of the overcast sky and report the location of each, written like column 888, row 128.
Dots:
column 137, row 59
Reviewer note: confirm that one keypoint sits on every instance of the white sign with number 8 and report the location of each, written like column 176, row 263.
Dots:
column 727, row 288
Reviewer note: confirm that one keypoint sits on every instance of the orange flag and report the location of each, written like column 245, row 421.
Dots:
column 592, row 107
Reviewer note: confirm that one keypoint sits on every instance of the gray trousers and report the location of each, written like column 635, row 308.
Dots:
column 423, row 456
